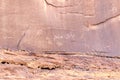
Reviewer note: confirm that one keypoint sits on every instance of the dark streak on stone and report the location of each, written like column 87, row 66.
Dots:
column 21, row 38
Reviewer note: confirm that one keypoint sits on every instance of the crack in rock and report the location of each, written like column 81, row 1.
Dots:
column 56, row 5
column 106, row 20
column 95, row 26
column 21, row 38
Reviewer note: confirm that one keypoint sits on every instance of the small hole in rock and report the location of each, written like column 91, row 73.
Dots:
column 38, row 66
column 21, row 64
column 3, row 62
column 47, row 68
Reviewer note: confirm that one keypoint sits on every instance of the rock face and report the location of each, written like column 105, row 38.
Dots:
column 61, row 25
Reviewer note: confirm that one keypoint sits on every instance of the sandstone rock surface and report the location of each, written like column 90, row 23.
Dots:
column 20, row 65
column 61, row 25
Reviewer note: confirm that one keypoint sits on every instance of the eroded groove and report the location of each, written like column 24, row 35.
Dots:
column 101, row 54
column 93, row 53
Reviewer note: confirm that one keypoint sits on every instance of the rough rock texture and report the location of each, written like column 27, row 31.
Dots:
column 61, row 25
column 21, row 65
